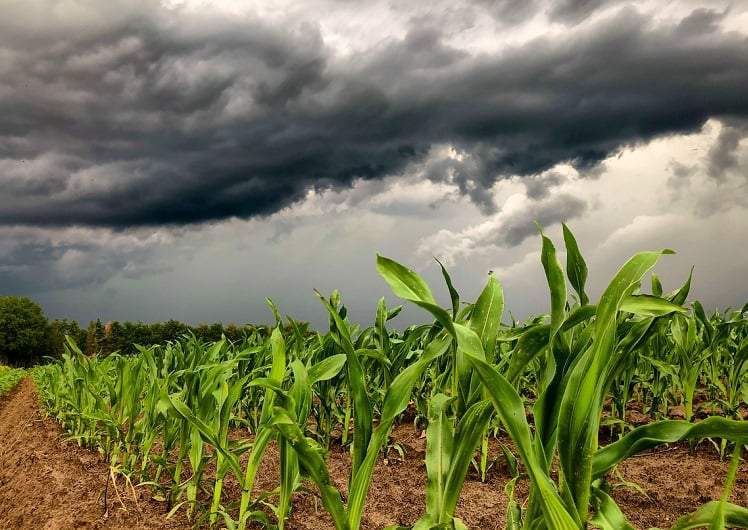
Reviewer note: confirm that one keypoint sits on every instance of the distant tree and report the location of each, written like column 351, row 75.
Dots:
column 134, row 333
column 234, row 333
column 172, row 331
column 24, row 331
column 96, row 343
column 209, row 333
column 115, row 336
column 58, row 330
column 156, row 334
column 216, row 332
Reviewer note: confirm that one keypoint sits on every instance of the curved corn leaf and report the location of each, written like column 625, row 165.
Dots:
column 511, row 411
column 734, row 515
column 274, row 311
column 439, row 446
column 679, row 296
column 530, row 344
column 666, row 431
column 576, row 268
column 579, row 415
column 327, row 368
column 579, row 315
column 382, row 337
column 312, row 464
column 301, row 391
column 469, row 431
column 404, row 282
column 646, row 305
column 485, row 318
column 608, row 516
column 556, row 282
column 468, row 341
column 408, row 285
column 656, row 285
column 453, row 294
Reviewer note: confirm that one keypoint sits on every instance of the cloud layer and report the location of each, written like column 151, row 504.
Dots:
column 185, row 159
column 128, row 114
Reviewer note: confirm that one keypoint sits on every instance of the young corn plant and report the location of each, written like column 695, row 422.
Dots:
column 691, row 355
column 573, row 388
column 367, row 441
column 449, row 451
column 209, row 415
column 295, row 403
column 9, row 378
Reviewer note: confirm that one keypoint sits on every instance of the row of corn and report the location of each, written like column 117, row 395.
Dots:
column 164, row 417
column 9, row 378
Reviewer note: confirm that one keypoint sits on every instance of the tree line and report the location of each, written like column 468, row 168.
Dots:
column 27, row 336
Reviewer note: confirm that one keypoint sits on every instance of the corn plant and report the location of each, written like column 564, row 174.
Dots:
column 208, row 415
column 578, row 375
column 9, row 378
column 367, row 441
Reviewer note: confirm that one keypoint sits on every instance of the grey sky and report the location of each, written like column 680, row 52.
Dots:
column 186, row 159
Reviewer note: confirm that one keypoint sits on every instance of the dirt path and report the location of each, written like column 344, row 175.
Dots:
column 47, row 483
column 50, row 484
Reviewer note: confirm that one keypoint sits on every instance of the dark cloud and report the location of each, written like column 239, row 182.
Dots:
column 133, row 115
column 556, row 209
column 722, row 156
column 717, row 182
column 574, row 11
column 36, row 260
column 539, row 187
column 470, row 171
column 700, row 21
column 35, row 266
column 510, row 12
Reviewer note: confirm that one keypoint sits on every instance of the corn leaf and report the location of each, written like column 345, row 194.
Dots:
column 656, row 285
column 486, row 316
column 608, row 516
column 408, row 285
column 362, row 418
column 312, row 464
column 646, row 305
column 327, row 368
column 666, row 431
column 576, row 268
column 469, row 431
column 530, row 344
column 556, row 282
column 439, row 445
column 453, row 294
column 579, row 415
column 679, row 296
column 734, row 516
column 395, row 401
column 511, row 411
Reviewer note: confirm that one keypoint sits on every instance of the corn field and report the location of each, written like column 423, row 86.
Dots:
column 184, row 418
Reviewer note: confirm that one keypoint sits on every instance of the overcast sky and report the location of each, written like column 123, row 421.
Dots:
column 187, row 159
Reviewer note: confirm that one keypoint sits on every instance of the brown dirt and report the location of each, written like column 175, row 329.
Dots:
column 49, row 483
column 52, row 484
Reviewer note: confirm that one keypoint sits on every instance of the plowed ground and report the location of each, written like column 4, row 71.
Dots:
column 49, row 483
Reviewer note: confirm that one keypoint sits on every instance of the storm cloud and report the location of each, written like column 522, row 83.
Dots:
column 35, row 260
column 130, row 114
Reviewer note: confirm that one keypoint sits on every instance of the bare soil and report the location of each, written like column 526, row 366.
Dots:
column 49, row 483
